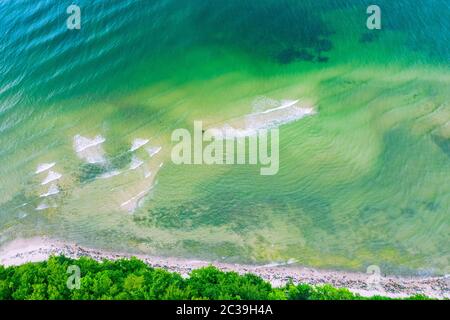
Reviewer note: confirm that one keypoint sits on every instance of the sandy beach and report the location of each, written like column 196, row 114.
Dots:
column 21, row 251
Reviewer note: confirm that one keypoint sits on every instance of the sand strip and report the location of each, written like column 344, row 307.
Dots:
column 40, row 248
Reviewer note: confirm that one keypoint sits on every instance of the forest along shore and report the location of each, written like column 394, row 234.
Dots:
column 37, row 249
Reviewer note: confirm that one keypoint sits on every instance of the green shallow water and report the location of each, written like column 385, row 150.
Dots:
column 364, row 181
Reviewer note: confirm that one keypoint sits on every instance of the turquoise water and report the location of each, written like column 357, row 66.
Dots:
column 364, row 181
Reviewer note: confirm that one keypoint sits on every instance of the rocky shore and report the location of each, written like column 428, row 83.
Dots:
column 38, row 249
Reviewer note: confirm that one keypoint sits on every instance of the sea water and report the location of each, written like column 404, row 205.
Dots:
column 363, row 181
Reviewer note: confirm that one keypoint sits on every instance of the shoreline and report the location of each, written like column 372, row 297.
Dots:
column 37, row 249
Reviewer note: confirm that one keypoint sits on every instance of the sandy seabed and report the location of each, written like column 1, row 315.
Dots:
column 36, row 249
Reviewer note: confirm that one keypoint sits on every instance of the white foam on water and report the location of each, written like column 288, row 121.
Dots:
column 277, row 117
column 109, row 174
column 93, row 157
column 22, row 205
column 51, row 191
column 131, row 204
column 22, row 215
column 44, row 167
column 137, row 143
column 51, row 176
column 262, row 103
column 284, row 104
column 153, row 150
column 136, row 163
column 44, row 206
column 147, row 173
column 82, row 143
column 287, row 112
column 89, row 150
column 228, row 132
column 140, row 194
